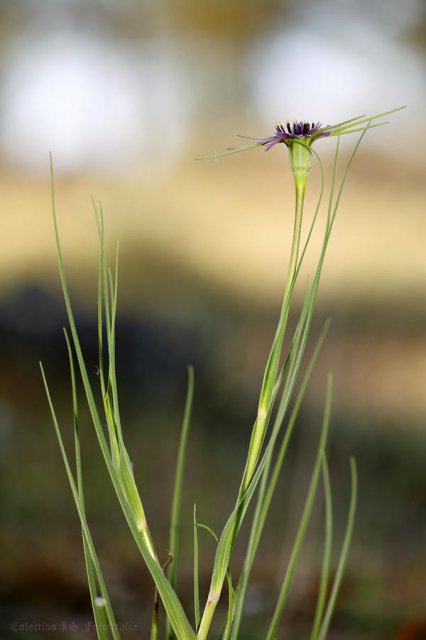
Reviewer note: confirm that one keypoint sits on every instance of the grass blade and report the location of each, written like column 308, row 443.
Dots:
column 101, row 618
column 328, row 543
column 343, row 554
column 196, row 573
column 178, row 485
column 231, row 608
column 231, row 592
column 342, row 127
column 156, row 607
column 81, row 513
column 97, row 613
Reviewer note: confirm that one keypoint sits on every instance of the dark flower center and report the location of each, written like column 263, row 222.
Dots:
column 297, row 129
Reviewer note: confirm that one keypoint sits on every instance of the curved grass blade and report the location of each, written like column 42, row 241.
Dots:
column 343, row 554
column 210, row 531
column 328, row 543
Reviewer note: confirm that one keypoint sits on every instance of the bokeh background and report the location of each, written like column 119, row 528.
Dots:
column 125, row 95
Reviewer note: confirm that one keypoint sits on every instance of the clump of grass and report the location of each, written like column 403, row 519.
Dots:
column 268, row 444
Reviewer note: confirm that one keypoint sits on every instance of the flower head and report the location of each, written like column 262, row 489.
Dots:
column 300, row 133
column 290, row 131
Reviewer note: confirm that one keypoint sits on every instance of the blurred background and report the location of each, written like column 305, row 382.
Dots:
column 125, row 95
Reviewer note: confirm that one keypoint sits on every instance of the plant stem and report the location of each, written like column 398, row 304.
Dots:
column 300, row 185
column 273, row 362
column 267, row 395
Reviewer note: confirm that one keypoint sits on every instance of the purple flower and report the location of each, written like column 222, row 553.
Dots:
column 305, row 133
column 295, row 131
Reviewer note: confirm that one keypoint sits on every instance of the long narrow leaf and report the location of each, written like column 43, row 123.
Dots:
column 231, row 608
column 98, row 615
column 196, row 573
column 344, row 553
column 231, row 592
column 101, row 618
column 178, row 485
column 156, row 608
column 120, row 457
column 328, row 542
column 81, row 513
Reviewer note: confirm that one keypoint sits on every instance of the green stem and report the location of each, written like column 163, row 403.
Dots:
column 270, row 377
column 300, row 185
column 271, row 371
column 207, row 616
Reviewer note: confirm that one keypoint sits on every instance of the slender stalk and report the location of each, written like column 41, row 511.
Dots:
column 298, row 163
column 271, row 371
column 300, row 186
